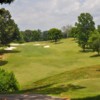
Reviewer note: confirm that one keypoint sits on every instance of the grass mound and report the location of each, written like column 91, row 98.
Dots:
column 80, row 82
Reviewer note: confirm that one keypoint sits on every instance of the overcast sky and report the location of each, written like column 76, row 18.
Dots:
column 45, row 14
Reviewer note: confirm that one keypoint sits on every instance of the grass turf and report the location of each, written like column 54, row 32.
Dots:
column 32, row 64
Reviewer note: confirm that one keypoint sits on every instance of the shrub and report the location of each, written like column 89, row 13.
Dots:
column 8, row 82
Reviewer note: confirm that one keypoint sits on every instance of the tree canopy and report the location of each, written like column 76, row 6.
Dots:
column 8, row 82
column 6, row 1
column 98, row 28
column 66, row 31
column 54, row 34
column 94, row 41
column 84, row 26
column 7, row 28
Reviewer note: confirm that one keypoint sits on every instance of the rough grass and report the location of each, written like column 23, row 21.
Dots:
column 53, row 70
column 78, row 83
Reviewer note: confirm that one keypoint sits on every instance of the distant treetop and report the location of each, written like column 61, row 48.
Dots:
column 6, row 1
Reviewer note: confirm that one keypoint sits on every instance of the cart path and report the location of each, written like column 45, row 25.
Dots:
column 28, row 97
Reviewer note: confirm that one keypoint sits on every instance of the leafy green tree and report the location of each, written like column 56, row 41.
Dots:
column 8, row 82
column 31, row 35
column 16, row 37
column 45, row 35
column 21, row 33
column 54, row 34
column 36, row 35
column 84, row 26
column 94, row 41
column 6, row 1
column 7, row 27
column 98, row 28
column 28, row 35
column 73, row 32
column 66, row 31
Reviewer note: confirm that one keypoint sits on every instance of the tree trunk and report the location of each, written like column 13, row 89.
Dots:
column 83, row 48
column 99, row 53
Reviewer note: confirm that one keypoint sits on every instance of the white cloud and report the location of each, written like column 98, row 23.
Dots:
column 45, row 14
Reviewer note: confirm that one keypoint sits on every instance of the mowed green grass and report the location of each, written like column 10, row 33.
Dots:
column 76, row 83
column 32, row 64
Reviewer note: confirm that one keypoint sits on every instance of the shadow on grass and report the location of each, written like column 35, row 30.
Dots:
column 86, row 51
column 49, row 89
column 8, row 51
column 3, row 62
column 88, row 98
column 95, row 55
column 2, row 52
column 74, row 40
column 59, row 42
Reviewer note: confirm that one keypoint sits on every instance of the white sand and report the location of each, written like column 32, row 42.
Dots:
column 16, row 44
column 37, row 44
column 47, row 46
column 10, row 48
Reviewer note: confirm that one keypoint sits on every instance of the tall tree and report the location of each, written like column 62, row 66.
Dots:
column 16, row 35
column 98, row 28
column 45, row 36
column 94, row 41
column 54, row 34
column 6, row 1
column 31, row 35
column 28, row 35
column 36, row 35
column 73, row 32
column 84, row 26
column 66, row 30
column 7, row 27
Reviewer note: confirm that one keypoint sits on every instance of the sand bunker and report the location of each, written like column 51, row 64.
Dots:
column 16, row 44
column 37, row 44
column 42, row 45
column 10, row 48
column 47, row 46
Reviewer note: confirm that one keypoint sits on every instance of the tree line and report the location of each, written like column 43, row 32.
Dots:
column 53, row 34
column 84, row 31
column 9, row 32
